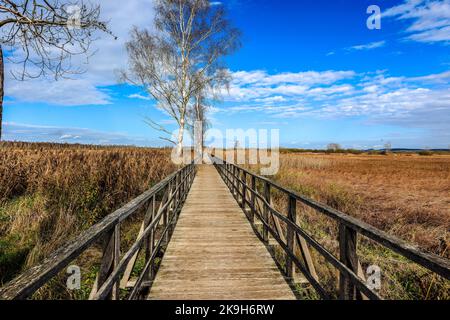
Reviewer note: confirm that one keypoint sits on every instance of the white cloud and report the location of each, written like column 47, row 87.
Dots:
column 430, row 19
column 69, row 137
column 423, row 100
column 368, row 46
column 109, row 56
column 27, row 132
column 273, row 99
column 64, row 92
column 259, row 86
column 139, row 96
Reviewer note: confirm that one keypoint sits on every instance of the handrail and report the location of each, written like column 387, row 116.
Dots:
column 236, row 179
column 175, row 188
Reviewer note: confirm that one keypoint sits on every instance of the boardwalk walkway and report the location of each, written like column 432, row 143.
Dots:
column 214, row 253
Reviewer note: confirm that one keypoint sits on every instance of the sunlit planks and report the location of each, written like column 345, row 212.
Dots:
column 214, row 253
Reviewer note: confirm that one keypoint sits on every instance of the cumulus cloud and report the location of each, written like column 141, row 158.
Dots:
column 368, row 46
column 139, row 96
column 376, row 96
column 260, row 86
column 429, row 19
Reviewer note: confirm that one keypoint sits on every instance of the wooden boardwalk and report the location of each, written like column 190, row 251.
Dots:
column 214, row 253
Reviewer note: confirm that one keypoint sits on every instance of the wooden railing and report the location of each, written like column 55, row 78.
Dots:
column 254, row 195
column 162, row 205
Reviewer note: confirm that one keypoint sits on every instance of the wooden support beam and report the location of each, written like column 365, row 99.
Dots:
column 106, row 264
column 292, row 215
column 348, row 256
column 244, row 190
column 267, row 197
column 305, row 253
column 115, row 295
column 252, row 200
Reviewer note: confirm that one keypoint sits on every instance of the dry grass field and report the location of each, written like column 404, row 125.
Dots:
column 50, row 192
column 406, row 195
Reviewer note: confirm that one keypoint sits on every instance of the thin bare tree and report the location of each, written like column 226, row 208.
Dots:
column 208, row 90
column 334, row 147
column 388, row 147
column 43, row 35
column 181, row 57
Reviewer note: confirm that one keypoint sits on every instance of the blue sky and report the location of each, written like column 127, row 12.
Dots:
column 310, row 68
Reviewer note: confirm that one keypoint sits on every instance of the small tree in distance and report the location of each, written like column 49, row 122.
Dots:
column 387, row 147
column 334, row 147
column 43, row 35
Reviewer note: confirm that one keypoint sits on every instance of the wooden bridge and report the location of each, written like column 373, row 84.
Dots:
column 208, row 232
column 214, row 253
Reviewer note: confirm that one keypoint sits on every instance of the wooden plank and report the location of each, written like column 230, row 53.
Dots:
column 214, row 253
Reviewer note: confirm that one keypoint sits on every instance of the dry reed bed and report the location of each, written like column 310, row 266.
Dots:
column 408, row 196
column 50, row 192
column 404, row 195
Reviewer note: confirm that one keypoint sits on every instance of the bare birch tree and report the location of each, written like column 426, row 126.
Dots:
column 182, row 57
column 207, row 91
column 43, row 35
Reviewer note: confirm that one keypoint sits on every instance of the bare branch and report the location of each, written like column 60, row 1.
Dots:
column 180, row 64
column 49, row 33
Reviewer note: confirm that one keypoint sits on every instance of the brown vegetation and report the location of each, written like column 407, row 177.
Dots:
column 50, row 192
column 405, row 195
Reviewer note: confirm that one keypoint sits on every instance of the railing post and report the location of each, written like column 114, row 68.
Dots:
column 292, row 216
column 244, row 190
column 234, row 181
column 186, row 176
column 240, row 186
column 348, row 256
column 266, row 211
column 150, row 244
column 178, row 192
column 230, row 178
column 186, row 183
column 107, row 263
column 168, row 210
column 116, row 287
column 181, row 183
column 252, row 200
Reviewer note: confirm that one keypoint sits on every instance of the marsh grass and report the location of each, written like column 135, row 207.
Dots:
column 405, row 195
column 50, row 193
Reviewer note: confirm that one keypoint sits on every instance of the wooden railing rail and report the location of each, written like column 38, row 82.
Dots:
column 162, row 205
column 295, row 241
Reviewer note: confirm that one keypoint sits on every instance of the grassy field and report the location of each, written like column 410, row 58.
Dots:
column 406, row 195
column 50, row 193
